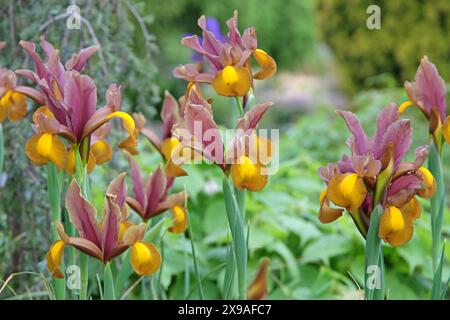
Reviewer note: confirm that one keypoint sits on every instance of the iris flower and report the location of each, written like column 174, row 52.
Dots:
column 13, row 103
column 152, row 198
column 69, row 110
column 427, row 92
column 246, row 157
column 230, row 59
column 375, row 174
column 170, row 114
column 107, row 239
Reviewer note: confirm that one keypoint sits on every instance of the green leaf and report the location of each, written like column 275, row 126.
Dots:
column 326, row 247
column 108, row 284
column 237, row 232
column 436, row 291
column 374, row 254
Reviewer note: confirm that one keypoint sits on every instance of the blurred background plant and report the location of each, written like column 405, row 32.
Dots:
column 327, row 59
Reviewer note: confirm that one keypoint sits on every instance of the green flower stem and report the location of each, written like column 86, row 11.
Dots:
column 54, row 187
column 236, row 224
column 108, row 283
column 437, row 202
column 240, row 106
column 83, row 181
column 374, row 262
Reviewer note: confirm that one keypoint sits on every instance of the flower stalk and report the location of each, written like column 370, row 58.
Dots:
column 54, row 187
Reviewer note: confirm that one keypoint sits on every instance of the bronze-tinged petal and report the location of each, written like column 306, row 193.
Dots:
column 86, row 246
column 177, row 199
column 110, row 230
column 136, row 206
column 118, row 190
column 258, row 288
column 134, row 234
column 82, row 214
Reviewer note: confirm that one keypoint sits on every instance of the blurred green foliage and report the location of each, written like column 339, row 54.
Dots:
column 409, row 30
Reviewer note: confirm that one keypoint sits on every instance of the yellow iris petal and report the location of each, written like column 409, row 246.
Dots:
column 180, row 220
column 32, row 153
column 391, row 221
column 123, row 226
column 13, row 105
column 347, row 191
column 127, row 121
column 404, row 106
column 232, row 81
column 396, row 225
column 145, row 258
column 170, row 145
column 53, row 148
column 267, row 63
column 446, row 129
column 428, row 182
column 102, row 151
column 54, row 259
column 326, row 213
column 248, row 175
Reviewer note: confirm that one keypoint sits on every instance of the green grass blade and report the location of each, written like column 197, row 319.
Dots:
column 373, row 256
column 54, row 193
column 436, row 291
column 437, row 202
column 108, row 284
column 194, row 257
column 237, row 232
column 2, row 151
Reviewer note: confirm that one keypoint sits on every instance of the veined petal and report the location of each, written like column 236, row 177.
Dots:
column 248, row 175
column 102, row 151
column 326, row 213
column 267, row 63
column 145, row 258
column 179, row 220
column 124, row 226
column 232, row 81
column 347, row 190
column 429, row 184
column 32, row 153
column 54, row 258
column 52, row 148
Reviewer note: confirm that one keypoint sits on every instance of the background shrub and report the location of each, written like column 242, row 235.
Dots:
column 409, row 30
